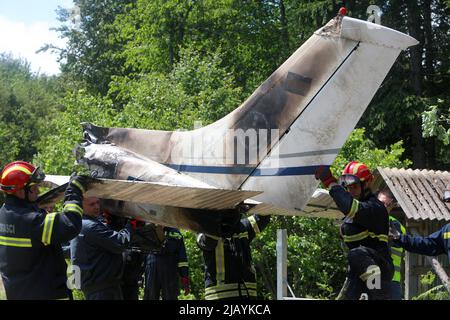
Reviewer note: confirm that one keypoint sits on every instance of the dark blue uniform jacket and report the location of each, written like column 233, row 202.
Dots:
column 435, row 244
column 31, row 259
column 97, row 252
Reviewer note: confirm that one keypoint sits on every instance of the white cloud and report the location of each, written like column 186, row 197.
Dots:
column 22, row 41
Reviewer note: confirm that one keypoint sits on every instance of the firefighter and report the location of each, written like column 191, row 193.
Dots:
column 365, row 230
column 31, row 259
column 229, row 273
column 162, row 267
column 134, row 256
column 390, row 203
column 97, row 253
column 433, row 245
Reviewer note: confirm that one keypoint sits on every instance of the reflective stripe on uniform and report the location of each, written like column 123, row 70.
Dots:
column 78, row 185
column 241, row 235
column 397, row 274
column 365, row 234
column 221, row 287
column 174, row 235
column 254, row 224
column 396, row 260
column 397, row 254
column 15, row 242
column 397, row 251
column 212, row 237
column 353, row 209
column 230, row 294
column 182, row 264
column 220, row 262
column 73, row 207
column 230, row 290
column 446, row 235
column 48, row 228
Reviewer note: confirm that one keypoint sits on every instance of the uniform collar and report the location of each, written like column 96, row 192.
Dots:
column 14, row 201
column 85, row 216
column 367, row 196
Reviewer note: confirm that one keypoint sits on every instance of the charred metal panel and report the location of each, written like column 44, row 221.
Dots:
column 297, row 84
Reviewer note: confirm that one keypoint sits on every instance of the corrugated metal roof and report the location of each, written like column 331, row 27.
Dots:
column 419, row 192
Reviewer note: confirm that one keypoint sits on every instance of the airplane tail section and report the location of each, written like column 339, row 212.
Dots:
column 317, row 135
column 297, row 119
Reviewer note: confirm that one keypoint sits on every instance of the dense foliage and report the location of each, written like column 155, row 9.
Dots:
column 164, row 64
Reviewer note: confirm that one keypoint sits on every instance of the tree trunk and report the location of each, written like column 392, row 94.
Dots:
column 417, row 142
column 431, row 152
column 284, row 27
column 415, row 51
column 428, row 37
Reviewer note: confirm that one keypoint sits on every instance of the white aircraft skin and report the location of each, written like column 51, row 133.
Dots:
column 297, row 120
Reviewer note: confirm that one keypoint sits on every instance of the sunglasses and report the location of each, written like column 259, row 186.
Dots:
column 348, row 179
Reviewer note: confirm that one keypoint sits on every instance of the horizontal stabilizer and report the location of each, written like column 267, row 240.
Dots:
column 163, row 194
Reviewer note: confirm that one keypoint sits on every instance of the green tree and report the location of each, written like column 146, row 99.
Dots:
column 360, row 148
column 197, row 89
column 64, row 131
column 27, row 102
column 247, row 33
column 93, row 51
column 415, row 82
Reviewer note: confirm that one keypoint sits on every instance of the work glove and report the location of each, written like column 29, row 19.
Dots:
column 80, row 182
column 185, row 283
column 394, row 234
column 323, row 173
column 137, row 223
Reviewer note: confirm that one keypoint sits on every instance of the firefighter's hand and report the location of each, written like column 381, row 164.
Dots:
column 185, row 283
column 394, row 234
column 323, row 173
column 79, row 181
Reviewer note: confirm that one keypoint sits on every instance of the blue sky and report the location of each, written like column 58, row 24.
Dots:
column 25, row 25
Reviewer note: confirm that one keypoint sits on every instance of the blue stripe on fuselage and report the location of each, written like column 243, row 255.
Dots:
column 288, row 171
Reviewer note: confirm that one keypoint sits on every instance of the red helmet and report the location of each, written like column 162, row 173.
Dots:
column 357, row 169
column 19, row 174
